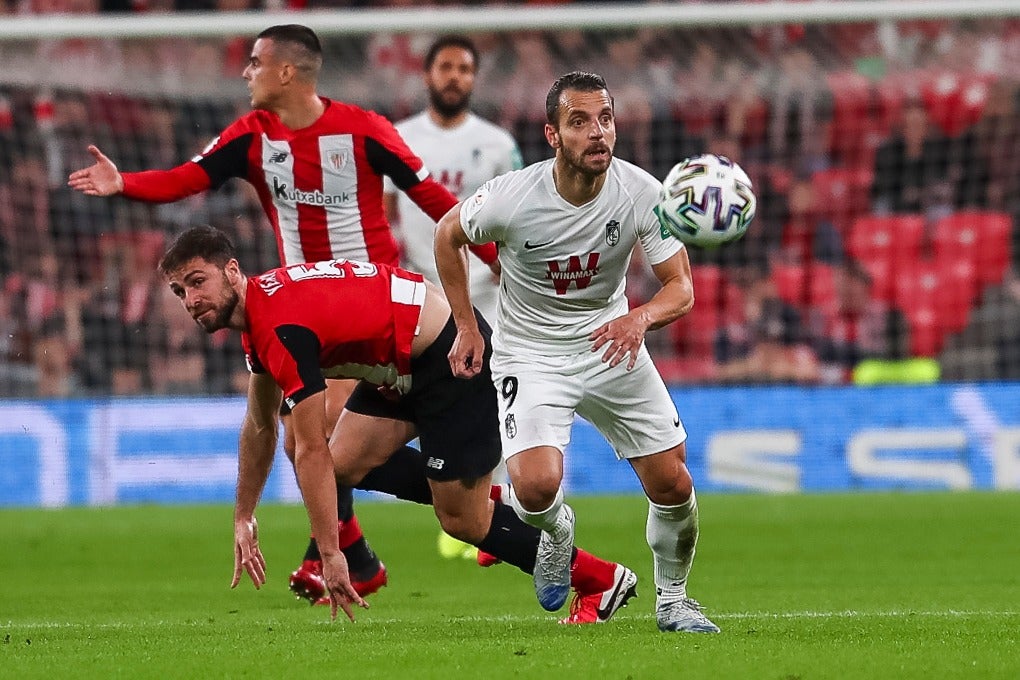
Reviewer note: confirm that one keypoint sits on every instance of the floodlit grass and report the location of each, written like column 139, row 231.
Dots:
column 823, row 586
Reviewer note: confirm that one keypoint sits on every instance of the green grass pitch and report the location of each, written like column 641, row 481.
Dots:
column 812, row 586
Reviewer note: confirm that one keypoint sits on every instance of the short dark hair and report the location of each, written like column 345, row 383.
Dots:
column 208, row 243
column 441, row 43
column 307, row 50
column 582, row 81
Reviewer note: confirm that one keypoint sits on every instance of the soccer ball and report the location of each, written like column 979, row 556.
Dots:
column 706, row 201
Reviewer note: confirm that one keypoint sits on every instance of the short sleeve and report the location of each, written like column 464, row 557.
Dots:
column 481, row 216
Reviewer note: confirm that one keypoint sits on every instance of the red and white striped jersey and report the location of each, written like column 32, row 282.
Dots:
column 320, row 186
column 332, row 319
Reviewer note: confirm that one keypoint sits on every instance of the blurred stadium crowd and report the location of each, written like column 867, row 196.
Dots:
column 885, row 157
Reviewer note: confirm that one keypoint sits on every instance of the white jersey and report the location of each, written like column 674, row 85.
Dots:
column 461, row 159
column 564, row 266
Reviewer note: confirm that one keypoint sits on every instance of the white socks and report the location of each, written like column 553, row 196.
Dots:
column 672, row 534
column 554, row 520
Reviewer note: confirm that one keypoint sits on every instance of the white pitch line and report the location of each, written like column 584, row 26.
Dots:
column 847, row 614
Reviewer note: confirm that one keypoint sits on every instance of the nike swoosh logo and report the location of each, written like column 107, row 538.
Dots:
column 528, row 245
column 603, row 612
column 676, row 422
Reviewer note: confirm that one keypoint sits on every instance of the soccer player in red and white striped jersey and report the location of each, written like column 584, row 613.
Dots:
column 317, row 165
column 307, row 324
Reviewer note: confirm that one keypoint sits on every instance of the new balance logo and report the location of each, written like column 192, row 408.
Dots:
column 278, row 157
column 435, row 463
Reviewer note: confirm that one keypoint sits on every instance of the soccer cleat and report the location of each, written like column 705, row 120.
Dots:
column 484, row 559
column 452, row 548
column 552, row 566
column 306, row 581
column 374, row 583
column 600, row 607
column 682, row 615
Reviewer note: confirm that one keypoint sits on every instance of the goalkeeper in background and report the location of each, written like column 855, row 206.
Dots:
column 462, row 151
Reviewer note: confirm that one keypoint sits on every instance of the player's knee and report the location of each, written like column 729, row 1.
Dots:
column 349, row 475
column 538, row 492
column 463, row 527
column 672, row 489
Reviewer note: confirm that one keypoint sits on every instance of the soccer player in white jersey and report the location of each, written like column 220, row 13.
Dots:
column 565, row 341
column 461, row 150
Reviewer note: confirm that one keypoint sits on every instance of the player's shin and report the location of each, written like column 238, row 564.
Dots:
column 510, row 539
column 672, row 534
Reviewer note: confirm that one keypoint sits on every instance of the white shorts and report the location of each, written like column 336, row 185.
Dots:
column 539, row 395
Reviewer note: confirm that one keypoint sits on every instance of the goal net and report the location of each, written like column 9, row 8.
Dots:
column 883, row 140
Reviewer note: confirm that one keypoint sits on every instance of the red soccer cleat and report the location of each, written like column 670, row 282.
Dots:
column 600, row 607
column 373, row 584
column 307, row 582
column 486, row 560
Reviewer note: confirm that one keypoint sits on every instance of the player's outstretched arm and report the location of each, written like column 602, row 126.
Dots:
column 313, row 465
column 100, row 179
column 255, row 458
column 451, row 262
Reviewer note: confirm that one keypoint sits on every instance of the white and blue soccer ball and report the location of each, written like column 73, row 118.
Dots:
column 706, row 201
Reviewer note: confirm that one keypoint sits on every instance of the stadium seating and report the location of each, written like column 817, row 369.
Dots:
column 954, row 100
column 812, row 284
column 936, row 300
column 858, row 124
column 885, row 246
column 694, row 334
column 980, row 238
column 843, row 194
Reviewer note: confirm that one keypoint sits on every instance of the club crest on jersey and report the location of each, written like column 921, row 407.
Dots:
column 510, row 424
column 337, row 159
column 612, row 232
column 269, row 283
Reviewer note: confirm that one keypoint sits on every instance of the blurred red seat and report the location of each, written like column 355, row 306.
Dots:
column 693, row 334
column 843, row 194
column 936, row 301
column 981, row 238
column 857, row 125
column 812, row 284
column 955, row 99
column 884, row 245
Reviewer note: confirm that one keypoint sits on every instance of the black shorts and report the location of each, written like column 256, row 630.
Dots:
column 457, row 420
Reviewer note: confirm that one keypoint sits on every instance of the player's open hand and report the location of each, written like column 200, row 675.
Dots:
column 101, row 179
column 621, row 337
column 466, row 353
column 247, row 554
column 342, row 594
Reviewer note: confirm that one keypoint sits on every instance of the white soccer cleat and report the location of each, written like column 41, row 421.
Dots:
column 552, row 566
column 682, row 615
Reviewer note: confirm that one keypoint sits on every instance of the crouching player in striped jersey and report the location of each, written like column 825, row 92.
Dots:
column 388, row 328
column 317, row 165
